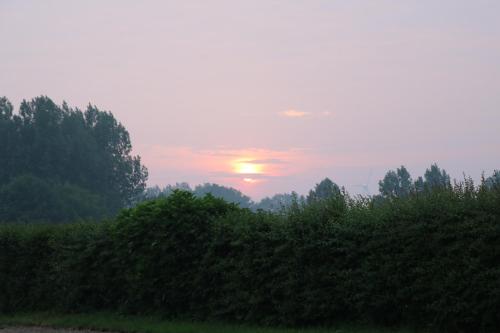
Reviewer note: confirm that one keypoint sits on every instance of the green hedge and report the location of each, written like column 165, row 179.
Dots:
column 431, row 260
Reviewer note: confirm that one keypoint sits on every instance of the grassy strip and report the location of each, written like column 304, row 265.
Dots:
column 141, row 324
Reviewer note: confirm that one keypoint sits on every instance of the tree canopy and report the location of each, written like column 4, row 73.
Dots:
column 396, row 183
column 58, row 149
column 323, row 190
column 493, row 180
column 279, row 202
column 434, row 178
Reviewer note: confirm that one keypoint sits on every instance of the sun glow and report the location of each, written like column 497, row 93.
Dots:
column 247, row 168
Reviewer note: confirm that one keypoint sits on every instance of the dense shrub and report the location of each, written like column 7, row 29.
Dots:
column 430, row 259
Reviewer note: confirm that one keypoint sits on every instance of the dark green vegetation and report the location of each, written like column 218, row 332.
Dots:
column 60, row 164
column 155, row 324
column 276, row 203
column 429, row 260
column 396, row 184
column 229, row 194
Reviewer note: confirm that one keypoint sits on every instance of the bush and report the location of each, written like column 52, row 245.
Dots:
column 428, row 260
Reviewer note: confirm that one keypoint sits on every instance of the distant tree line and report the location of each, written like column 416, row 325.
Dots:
column 275, row 203
column 395, row 184
column 400, row 184
column 60, row 164
column 229, row 194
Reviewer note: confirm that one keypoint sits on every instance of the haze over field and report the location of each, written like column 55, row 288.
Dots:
column 271, row 96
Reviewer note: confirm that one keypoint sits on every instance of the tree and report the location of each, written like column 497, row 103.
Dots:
column 31, row 199
column 324, row 190
column 396, row 184
column 122, row 176
column 419, row 184
column 229, row 194
column 7, row 138
column 278, row 202
column 169, row 189
column 493, row 180
column 90, row 150
column 434, row 178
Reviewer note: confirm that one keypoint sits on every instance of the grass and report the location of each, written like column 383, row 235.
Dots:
column 142, row 324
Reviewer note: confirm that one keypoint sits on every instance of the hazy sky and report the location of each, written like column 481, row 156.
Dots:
column 271, row 96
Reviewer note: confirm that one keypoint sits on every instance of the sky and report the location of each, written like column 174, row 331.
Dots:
column 271, row 96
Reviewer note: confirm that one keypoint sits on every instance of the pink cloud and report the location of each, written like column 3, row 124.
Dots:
column 272, row 163
column 294, row 113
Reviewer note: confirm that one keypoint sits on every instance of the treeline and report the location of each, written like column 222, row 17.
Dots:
column 61, row 164
column 428, row 259
column 276, row 203
column 395, row 184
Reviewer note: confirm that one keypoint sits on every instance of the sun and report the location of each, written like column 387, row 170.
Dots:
column 247, row 168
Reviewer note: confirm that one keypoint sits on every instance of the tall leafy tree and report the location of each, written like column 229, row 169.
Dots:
column 59, row 145
column 493, row 180
column 323, row 190
column 396, row 183
column 434, row 178
column 121, row 176
column 7, row 140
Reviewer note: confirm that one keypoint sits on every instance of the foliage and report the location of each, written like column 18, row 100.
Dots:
column 85, row 155
column 427, row 260
column 399, row 184
column 493, row 180
column 396, row 183
column 31, row 199
column 228, row 194
column 434, row 177
column 279, row 202
column 162, row 243
column 324, row 190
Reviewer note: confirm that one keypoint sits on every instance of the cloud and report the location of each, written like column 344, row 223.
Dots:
column 251, row 180
column 300, row 114
column 294, row 113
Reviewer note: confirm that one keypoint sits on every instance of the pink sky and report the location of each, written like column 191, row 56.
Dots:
column 302, row 89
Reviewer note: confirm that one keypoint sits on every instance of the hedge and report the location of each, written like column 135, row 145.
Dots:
column 431, row 260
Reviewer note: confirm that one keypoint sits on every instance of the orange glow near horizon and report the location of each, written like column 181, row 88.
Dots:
column 251, row 170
